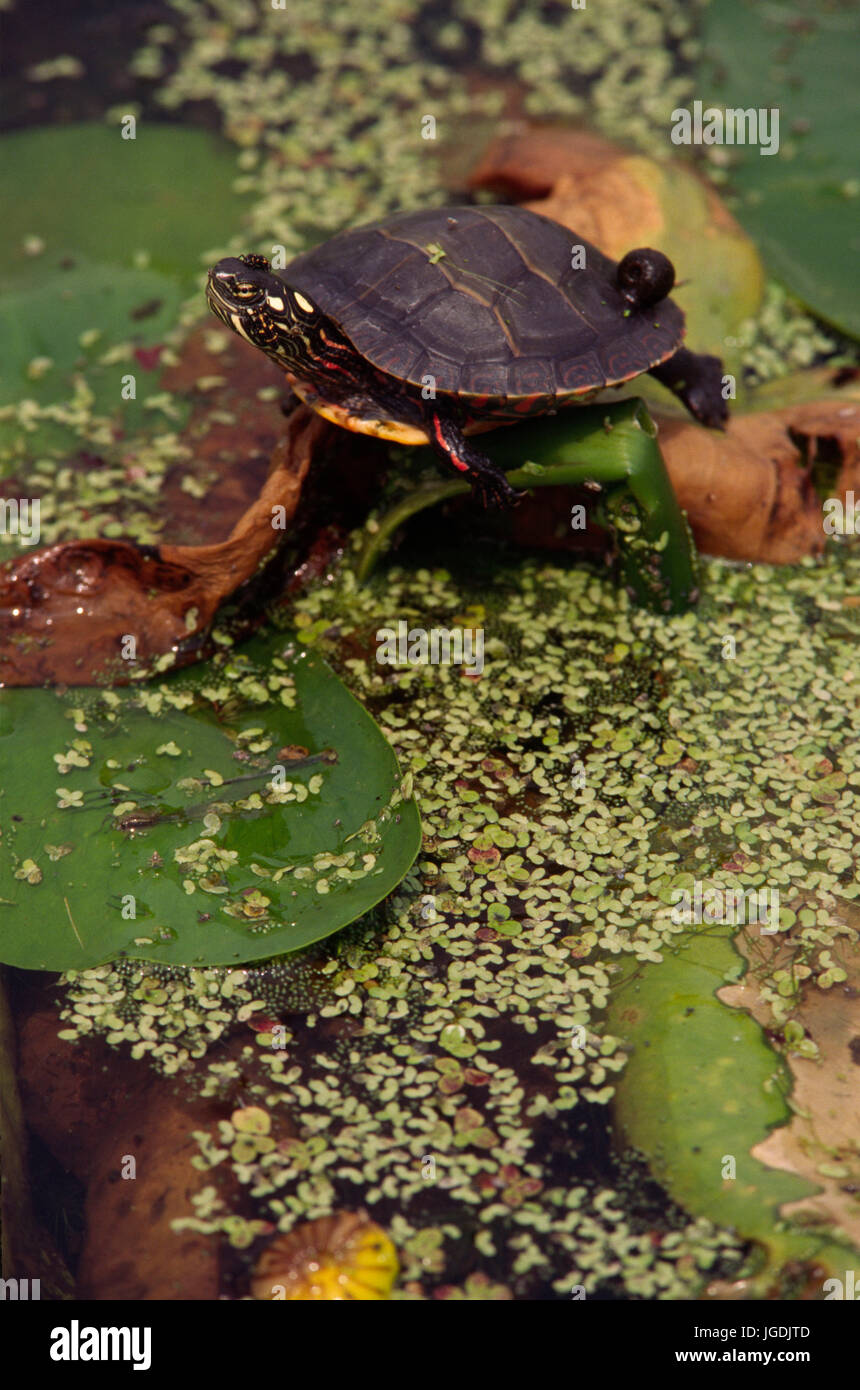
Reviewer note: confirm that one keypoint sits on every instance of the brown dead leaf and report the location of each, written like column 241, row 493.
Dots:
column 825, row 1128
column 578, row 179
column 93, row 1109
column 528, row 161
column 607, row 207
column 66, row 610
column 131, row 1251
column 749, row 493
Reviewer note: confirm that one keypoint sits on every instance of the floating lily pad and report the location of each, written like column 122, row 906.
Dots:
column 161, row 200
column 59, row 329
column 99, row 254
column 237, row 812
column 802, row 203
column 700, row 1090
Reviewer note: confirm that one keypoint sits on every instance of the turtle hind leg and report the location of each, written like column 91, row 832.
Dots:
column 697, row 380
column 489, row 483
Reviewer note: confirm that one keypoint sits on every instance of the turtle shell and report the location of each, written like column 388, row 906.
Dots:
column 485, row 301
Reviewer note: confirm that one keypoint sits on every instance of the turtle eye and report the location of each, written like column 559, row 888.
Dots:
column 245, row 289
column 237, row 281
column 238, row 287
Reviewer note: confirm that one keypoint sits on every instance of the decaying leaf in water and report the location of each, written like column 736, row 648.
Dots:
column 754, row 492
column 68, row 610
column 83, row 1102
column 822, row 1140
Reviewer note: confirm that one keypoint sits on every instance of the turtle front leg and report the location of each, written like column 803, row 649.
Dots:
column 697, row 380
column 489, row 483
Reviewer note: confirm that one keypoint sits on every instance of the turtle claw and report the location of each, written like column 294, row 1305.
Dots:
column 494, row 492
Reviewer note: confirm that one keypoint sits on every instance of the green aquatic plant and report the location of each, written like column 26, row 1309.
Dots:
column 244, row 808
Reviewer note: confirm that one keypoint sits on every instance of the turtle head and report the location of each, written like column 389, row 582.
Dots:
column 244, row 293
column 644, row 277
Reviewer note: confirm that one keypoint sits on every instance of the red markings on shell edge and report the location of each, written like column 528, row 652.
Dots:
column 533, row 405
column 531, row 378
column 625, row 357
column 579, row 373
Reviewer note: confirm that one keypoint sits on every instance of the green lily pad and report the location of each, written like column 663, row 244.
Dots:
column 180, row 822
column 90, row 281
column 160, row 201
column 802, row 203
column 701, row 1088
column 57, row 332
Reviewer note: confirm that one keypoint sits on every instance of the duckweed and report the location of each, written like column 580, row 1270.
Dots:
column 444, row 1063
column 445, row 1060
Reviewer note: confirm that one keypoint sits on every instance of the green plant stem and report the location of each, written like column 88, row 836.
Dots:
column 613, row 445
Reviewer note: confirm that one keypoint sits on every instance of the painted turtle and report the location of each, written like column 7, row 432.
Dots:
column 428, row 326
